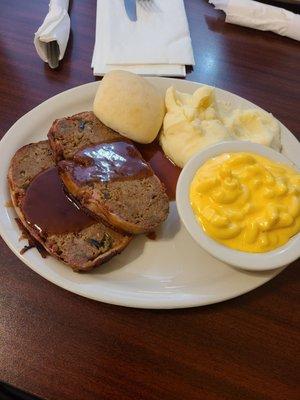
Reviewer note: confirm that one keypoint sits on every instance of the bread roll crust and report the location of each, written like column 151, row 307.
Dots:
column 130, row 105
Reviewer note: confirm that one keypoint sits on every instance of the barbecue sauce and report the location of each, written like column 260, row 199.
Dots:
column 120, row 160
column 167, row 172
column 113, row 161
column 49, row 210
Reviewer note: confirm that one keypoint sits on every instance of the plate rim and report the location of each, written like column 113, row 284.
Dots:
column 117, row 300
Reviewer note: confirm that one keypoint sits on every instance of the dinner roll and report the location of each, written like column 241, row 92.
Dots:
column 130, row 105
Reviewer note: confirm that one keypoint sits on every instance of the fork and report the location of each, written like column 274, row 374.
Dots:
column 148, row 5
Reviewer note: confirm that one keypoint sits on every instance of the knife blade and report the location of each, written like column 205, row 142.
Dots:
column 130, row 7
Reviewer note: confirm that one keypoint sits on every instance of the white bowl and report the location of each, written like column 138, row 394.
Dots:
column 250, row 261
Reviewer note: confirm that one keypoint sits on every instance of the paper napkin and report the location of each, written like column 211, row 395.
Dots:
column 260, row 16
column 158, row 43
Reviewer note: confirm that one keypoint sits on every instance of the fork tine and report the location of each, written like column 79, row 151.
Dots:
column 146, row 4
column 143, row 5
column 149, row 5
column 155, row 6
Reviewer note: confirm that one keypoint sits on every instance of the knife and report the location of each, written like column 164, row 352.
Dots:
column 130, row 7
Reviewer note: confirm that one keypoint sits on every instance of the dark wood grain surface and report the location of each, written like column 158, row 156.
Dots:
column 60, row 346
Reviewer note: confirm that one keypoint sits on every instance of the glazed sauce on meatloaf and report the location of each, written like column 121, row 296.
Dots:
column 49, row 210
column 167, row 172
column 121, row 160
column 113, row 161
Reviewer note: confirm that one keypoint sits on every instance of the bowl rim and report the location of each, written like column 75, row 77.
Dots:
column 276, row 258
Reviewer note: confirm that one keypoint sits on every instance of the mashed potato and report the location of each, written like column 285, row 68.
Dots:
column 255, row 125
column 192, row 122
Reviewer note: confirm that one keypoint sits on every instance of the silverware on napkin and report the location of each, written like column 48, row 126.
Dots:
column 264, row 17
column 130, row 7
column 52, row 37
column 139, row 46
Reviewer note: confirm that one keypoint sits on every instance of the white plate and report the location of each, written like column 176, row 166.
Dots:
column 170, row 272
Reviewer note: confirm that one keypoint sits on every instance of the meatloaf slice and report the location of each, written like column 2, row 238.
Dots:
column 83, row 249
column 133, row 199
column 70, row 134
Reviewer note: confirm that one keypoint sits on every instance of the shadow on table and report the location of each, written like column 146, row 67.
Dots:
column 8, row 392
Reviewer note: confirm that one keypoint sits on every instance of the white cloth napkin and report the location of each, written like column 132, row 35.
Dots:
column 158, row 43
column 260, row 16
column 56, row 27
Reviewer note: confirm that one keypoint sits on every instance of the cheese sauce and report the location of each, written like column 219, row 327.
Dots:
column 247, row 202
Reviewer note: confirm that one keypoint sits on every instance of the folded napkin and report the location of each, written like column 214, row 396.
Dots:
column 158, row 43
column 55, row 28
column 260, row 16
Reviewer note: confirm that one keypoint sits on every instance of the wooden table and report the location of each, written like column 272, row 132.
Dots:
column 60, row 346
